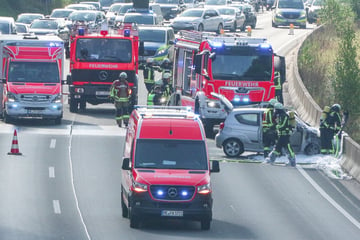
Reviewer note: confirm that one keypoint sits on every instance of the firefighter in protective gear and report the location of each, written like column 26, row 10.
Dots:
column 324, row 131
column 268, row 128
column 278, row 87
column 120, row 92
column 284, row 131
column 166, row 67
column 149, row 74
column 155, row 95
column 332, row 125
column 166, row 88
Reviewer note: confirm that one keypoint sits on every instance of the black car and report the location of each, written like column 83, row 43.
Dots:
column 249, row 12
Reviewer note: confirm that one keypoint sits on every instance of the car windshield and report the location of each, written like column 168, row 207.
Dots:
column 82, row 16
column 152, row 35
column 139, row 19
column 27, row 19
column 103, row 50
column 44, row 24
column 34, row 72
column 215, row 2
column 115, row 8
column 226, row 11
column 171, row 154
column 234, row 66
column 124, row 9
column 192, row 13
column 167, row 1
column 61, row 14
column 296, row 4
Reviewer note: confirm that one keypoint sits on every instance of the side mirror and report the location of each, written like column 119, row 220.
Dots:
column 126, row 164
column 215, row 167
column 63, row 82
column 206, row 17
column 171, row 42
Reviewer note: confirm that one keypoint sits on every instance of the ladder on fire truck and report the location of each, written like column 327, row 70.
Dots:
column 226, row 38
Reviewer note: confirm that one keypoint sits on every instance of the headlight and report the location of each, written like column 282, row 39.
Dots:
column 57, row 99
column 11, row 97
column 139, row 187
column 213, row 104
column 204, row 189
column 279, row 15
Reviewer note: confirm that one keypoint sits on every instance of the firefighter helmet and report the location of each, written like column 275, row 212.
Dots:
column 166, row 60
column 336, row 107
column 279, row 106
column 123, row 75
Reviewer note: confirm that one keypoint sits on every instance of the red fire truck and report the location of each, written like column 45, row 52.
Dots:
column 207, row 66
column 31, row 74
column 97, row 59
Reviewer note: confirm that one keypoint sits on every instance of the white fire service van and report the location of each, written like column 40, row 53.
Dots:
column 166, row 167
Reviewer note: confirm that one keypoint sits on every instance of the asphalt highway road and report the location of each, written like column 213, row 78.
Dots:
column 66, row 184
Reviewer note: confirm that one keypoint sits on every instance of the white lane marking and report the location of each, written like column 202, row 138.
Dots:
column 56, row 205
column 51, row 172
column 73, row 185
column 53, row 143
column 328, row 198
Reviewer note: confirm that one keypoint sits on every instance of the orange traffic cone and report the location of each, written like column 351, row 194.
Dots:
column 291, row 29
column 248, row 29
column 14, row 146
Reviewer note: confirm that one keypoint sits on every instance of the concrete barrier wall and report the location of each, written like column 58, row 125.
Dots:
column 310, row 112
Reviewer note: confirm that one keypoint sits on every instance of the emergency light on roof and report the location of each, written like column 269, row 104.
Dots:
column 128, row 29
column 81, row 31
column 217, row 44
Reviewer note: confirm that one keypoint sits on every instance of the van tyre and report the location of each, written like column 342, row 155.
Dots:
column 124, row 209
column 134, row 221
column 73, row 106
column 233, row 148
column 6, row 117
column 205, row 224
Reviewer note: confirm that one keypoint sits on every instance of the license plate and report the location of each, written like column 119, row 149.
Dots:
column 170, row 213
column 102, row 93
column 34, row 111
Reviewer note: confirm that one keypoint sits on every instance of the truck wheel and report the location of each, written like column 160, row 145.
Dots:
column 205, row 224
column 73, row 106
column 82, row 105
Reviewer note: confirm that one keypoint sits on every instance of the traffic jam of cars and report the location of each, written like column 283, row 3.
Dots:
column 192, row 35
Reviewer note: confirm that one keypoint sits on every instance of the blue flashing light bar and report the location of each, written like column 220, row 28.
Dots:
column 127, row 32
column 217, row 44
column 81, row 31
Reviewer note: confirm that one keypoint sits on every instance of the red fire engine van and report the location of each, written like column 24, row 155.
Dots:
column 166, row 167
column 245, row 70
column 97, row 59
column 31, row 74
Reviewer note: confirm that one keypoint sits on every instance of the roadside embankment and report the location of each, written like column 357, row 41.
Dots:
column 310, row 112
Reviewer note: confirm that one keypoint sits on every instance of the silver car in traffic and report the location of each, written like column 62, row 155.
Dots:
column 242, row 131
column 200, row 19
